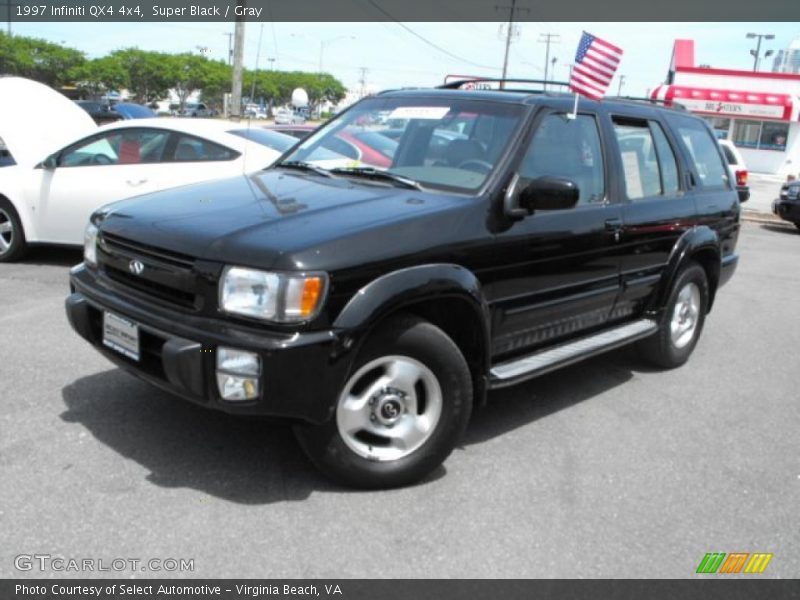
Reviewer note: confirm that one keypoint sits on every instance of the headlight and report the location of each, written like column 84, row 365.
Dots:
column 280, row 297
column 90, row 245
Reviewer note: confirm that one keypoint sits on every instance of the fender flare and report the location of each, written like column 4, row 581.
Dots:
column 697, row 239
column 404, row 287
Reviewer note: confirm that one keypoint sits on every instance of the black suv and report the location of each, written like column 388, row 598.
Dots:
column 787, row 206
column 375, row 305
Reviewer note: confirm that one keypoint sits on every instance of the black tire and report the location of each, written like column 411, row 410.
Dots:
column 661, row 348
column 420, row 340
column 13, row 245
column 797, row 225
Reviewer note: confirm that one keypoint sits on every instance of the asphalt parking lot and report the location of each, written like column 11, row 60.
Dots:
column 606, row 469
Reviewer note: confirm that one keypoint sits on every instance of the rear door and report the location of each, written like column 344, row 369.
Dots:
column 658, row 207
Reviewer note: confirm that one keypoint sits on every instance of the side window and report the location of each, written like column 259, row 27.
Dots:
column 123, row 147
column 704, row 151
column 648, row 162
column 570, row 149
column 192, row 149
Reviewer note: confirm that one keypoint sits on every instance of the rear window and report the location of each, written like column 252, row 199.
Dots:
column 729, row 156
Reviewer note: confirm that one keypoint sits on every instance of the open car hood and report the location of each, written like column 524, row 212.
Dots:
column 36, row 120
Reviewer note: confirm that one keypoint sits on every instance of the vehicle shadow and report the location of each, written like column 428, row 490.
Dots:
column 257, row 461
column 57, row 256
column 781, row 228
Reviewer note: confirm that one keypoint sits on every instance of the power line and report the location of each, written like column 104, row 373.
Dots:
column 427, row 41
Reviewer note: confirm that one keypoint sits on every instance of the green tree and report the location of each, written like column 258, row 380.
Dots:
column 38, row 59
column 149, row 73
column 100, row 75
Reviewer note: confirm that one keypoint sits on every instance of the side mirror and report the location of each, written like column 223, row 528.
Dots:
column 549, row 193
column 50, row 163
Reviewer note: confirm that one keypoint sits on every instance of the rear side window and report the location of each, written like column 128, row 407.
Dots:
column 704, row 152
column 648, row 162
column 191, row 149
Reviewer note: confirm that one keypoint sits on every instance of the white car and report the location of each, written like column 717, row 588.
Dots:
column 736, row 168
column 286, row 116
column 63, row 167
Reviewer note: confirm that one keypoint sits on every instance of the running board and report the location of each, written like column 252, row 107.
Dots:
column 514, row 371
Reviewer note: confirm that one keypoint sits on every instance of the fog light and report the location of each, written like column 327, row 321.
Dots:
column 238, row 374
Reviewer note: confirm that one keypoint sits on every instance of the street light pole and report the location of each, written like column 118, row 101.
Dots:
column 756, row 54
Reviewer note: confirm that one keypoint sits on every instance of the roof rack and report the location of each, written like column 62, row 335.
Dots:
column 454, row 85
column 666, row 103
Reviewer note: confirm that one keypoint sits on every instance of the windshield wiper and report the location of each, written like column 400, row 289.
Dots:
column 304, row 166
column 370, row 173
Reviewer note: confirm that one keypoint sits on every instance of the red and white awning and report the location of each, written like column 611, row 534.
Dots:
column 730, row 103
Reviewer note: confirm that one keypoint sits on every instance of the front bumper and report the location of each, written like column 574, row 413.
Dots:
column 787, row 209
column 301, row 372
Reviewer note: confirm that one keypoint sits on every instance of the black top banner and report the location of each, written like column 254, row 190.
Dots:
column 386, row 589
column 394, row 10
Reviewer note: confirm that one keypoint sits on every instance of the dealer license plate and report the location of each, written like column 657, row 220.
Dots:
column 121, row 335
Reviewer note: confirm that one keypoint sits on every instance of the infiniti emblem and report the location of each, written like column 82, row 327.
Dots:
column 136, row 267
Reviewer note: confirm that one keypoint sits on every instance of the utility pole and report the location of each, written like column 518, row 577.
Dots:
column 548, row 38
column 255, row 74
column 238, row 58
column 363, row 81
column 512, row 13
column 756, row 54
column 230, row 47
column 621, row 82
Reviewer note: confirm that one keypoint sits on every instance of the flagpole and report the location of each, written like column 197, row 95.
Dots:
column 574, row 113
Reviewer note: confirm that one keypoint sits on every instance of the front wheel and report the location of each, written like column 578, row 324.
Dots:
column 400, row 413
column 683, row 320
column 12, row 236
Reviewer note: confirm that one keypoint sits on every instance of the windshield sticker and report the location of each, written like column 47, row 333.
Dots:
column 419, row 112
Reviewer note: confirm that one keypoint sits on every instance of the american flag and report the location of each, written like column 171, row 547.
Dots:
column 595, row 64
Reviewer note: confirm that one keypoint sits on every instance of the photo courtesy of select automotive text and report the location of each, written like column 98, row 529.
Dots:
column 392, row 299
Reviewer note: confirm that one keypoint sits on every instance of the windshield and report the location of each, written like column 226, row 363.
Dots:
column 445, row 143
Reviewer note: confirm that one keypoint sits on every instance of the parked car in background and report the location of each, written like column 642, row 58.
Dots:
column 48, row 195
column 198, row 109
column 286, row 116
column 129, row 110
column 737, row 168
column 355, row 143
column 100, row 112
column 104, row 113
column 787, row 205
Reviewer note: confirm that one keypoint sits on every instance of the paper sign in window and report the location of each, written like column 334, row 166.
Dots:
column 419, row 112
column 633, row 179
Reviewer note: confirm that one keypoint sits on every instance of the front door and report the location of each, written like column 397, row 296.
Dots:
column 558, row 271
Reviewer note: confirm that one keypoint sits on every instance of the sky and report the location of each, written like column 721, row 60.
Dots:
column 395, row 57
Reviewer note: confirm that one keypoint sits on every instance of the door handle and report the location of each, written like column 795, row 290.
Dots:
column 615, row 227
column 137, row 182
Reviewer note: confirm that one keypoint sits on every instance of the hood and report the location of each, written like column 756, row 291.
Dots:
column 284, row 220
column 36, row 120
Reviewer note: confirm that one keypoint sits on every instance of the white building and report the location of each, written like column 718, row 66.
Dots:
column 758, row 111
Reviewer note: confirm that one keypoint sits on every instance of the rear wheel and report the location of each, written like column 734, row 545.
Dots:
column 401, row 411
column 797, row 225
column 12, row 236
column 683, row 320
